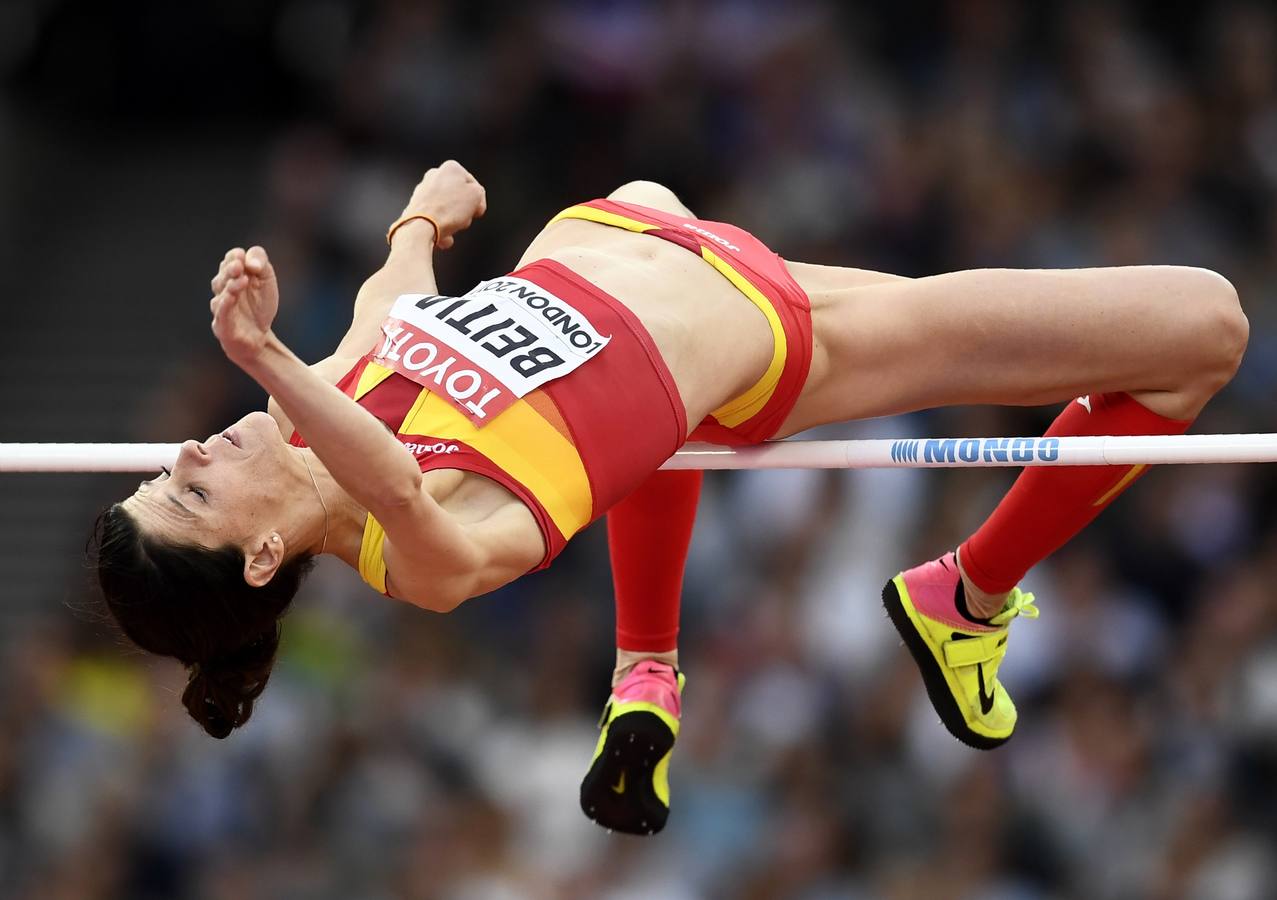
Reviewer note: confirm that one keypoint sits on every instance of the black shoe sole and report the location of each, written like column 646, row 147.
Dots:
column 937, row 688
column 635, row 743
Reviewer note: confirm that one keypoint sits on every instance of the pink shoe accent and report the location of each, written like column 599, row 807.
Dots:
column 931, row 589
column 651, row 682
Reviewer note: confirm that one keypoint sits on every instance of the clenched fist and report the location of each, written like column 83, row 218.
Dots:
column 245, row 301
column 452, row 197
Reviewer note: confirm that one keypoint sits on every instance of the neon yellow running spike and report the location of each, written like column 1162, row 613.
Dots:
column 627, row 787
column 958, row 659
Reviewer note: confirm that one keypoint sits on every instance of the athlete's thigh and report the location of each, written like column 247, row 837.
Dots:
column 818, row 280
column 1017, row 338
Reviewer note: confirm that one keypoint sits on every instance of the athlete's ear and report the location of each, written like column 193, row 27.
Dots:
column 263, row 559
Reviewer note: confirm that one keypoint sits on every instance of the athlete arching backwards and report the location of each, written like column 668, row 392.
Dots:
column 451, row 444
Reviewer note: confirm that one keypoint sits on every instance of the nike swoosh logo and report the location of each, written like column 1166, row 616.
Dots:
column 986, row 700
column 619, row 787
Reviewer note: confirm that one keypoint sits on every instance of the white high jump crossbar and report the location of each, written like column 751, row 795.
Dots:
column 863, row 454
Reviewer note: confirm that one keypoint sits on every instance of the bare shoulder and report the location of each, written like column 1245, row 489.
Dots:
column 512, row 544
column 502, row 545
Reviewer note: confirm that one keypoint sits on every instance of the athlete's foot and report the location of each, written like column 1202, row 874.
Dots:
column 627, row 786
column 957, row 655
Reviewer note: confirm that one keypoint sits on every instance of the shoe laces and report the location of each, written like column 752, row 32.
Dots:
column 1018, row 603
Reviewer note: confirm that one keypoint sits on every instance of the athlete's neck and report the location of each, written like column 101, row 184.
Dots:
column 345, row 517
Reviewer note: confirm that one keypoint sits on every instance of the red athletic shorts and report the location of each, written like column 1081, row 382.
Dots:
column 761, row 276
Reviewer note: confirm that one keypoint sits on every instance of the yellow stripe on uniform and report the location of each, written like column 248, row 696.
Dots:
column 1121, row 485
column 603, row 217
column 748, row 404
column 370, row 377
column 521, row 443
column 372, row 565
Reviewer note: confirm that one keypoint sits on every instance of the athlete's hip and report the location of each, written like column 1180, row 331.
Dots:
column 729, row 318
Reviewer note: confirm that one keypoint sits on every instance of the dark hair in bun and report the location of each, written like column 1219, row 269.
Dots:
column 193, row 604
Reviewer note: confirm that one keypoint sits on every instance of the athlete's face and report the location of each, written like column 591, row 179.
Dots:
column 233, row 488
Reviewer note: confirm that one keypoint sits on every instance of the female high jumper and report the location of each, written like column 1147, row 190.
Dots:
column 451, row 444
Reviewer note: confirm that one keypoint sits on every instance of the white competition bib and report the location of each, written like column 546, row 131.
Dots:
column 489, row 347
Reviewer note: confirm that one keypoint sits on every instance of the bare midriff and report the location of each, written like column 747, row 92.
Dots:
column 714, row 341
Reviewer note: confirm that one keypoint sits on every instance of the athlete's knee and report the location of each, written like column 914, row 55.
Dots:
column 1233, row 327
column 1227, row 330
column 650, row 193
column 1215, row 327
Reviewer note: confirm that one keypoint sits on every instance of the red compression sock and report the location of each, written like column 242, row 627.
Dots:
column 1046, row 506
column 648, row 534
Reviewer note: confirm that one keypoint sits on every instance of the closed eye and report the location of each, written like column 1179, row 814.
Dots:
column 194, row 489
column 165, row 473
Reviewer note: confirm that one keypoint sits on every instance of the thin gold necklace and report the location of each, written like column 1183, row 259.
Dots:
column 324, row 544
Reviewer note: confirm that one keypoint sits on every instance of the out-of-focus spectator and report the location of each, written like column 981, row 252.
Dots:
column 397, row 754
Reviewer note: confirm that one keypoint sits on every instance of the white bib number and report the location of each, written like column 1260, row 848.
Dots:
column 489, row 347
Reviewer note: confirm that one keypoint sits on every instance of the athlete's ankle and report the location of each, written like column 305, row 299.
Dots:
column 980, row 603
column 628, row 659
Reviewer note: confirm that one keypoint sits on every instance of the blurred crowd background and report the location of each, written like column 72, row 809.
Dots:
column 399, row 754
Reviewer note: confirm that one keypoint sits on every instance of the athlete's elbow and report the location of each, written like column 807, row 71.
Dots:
column 443, row 600
column 396, row 498
column 440, row 603
column 650, row 193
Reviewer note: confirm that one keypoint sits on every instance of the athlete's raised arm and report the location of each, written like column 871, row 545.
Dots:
column 360, row 454
column 448, row 197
